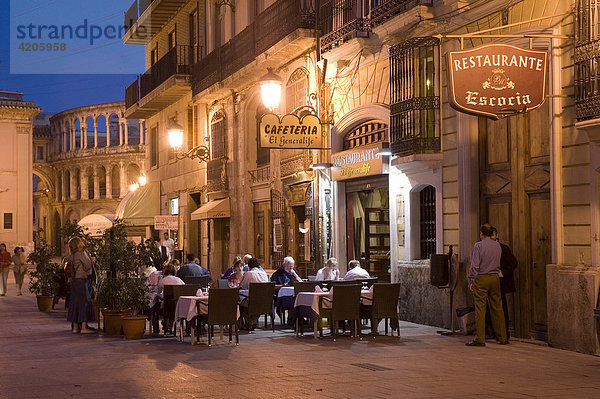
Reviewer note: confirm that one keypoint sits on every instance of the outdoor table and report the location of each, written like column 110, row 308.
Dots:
column 285, row 291
column 307, row 304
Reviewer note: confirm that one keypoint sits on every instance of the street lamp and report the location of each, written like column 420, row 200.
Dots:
column 175, row 132
column 142, row 180
column 270, row 89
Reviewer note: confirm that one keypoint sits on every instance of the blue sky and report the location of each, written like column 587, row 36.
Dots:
column 84, row 74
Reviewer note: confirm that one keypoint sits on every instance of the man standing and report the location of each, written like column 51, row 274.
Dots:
column 191, row 268
column 484, row 281
column 169, row 243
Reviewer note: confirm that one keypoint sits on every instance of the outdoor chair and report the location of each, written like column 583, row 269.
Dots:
column 202, row 280
column 384, row 306
column 260, row 302
column 305, row 286
column 344, row 306
column 222, row 310
column 171, row 294
column 223, row 283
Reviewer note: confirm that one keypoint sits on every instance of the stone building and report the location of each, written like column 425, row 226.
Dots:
column 85, row 161
column 376, row 75
column 16, row 200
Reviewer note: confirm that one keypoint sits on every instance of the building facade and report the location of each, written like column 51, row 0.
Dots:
column 85, row 160
column 376, row 75
column 16, row 199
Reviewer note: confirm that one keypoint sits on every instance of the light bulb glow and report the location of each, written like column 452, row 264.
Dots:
column 175, row 136
column 142, row 180
column 271, row 94
column 133, row 187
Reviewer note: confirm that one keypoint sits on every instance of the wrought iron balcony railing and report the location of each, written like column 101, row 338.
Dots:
column 294, row 164
column 383, row 10
column 260, row 175
column 178, row 60
column 132, row 93
column 273, row 24
column 415, row 145
column 216, row 175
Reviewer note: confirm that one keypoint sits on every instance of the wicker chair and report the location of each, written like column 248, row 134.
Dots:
column 345, row 306
column 305, row 286
column 260, row 302
column 384, row 306
column 222, row 310
column 171, row 294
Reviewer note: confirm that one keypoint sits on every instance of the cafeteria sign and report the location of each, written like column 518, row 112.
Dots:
column 290, row 131
column 357, row 162
column 497, row 79
column 164, row 222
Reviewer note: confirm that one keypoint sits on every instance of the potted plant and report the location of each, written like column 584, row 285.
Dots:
column 42, row 281
column 136, row 300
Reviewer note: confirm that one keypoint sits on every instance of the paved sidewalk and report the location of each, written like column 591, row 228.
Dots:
column 40, row 358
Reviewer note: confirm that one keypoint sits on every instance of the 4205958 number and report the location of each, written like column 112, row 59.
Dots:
column 46, row 47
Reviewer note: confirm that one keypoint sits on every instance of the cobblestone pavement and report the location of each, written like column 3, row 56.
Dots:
column 40, row 358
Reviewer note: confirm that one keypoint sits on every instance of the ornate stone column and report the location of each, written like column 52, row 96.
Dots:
column 120, row 132
column 96, row 183
column 84, row 183
column 83, row 135
column 95, row 133
column 107, row 117
column 108, row 181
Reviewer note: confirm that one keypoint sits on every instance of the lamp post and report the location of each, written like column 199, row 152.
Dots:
column 175, row 133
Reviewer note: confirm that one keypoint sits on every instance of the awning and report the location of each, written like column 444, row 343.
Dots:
column 139, row 207
column 216, row 209
column 96, row 224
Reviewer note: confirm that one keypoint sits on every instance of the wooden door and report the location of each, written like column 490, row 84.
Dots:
column 515, row 198
column 377, row 243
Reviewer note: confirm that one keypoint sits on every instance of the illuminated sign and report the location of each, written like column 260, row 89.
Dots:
column 357, row 162
column 165, row 222
column 497, row 79
column 290, row 131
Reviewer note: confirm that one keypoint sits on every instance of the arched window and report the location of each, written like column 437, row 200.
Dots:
column 102, row 181
column 365, row 134
column 68, row 133
column 427, row 221
column 89, row 131
column 296, row 90
column 113, row 131
column 102, row 134
column 115, row 179
column 78, row 135
column 90, row 181
column 77, row 178
column 218, row 135
column 67, row 183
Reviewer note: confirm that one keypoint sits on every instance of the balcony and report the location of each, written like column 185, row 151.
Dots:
column 267, row 32
column 387, row 9
column 216, row 178
column 587, row 80
column 295, row 165
column 261, row 175
column 145, row 18
column 161, row 85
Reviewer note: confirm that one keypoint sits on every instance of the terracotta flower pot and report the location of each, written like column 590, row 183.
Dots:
column 44, row 302
column 133, row 326
column 112, row 321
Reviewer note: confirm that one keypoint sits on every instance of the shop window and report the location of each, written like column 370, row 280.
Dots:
column 218, row 136
column 427, row 221
column 415, row 101
column 8, row 221
column 296, row 90
column 365, row 134
column 174, row 206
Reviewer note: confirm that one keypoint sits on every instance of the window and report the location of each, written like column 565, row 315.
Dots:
column 154, row 55
column 8, row 221
column 174, row 206
column 218, row 136
column 365, row 134
column 414, row 96
column 427, row 221
column 296, row 90
column 192, row 127
column 40, row 153
column 172, row 39
column 154, row 146
column 194, row 37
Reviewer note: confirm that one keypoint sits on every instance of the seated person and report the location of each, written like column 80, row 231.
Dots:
column 238, row 273
column 255, row 275
column 286, row 273
column 191, row 268
column 229, row 271
column 330, row 271
column 355, row 271
column 168, row 278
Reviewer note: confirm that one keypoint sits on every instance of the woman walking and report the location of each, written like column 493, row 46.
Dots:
column 20, row 268
column 5, row 261
column 79, row 266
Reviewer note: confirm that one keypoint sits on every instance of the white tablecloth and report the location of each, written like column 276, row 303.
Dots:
column 186, row 307
column 312, row 299
column 285, row 291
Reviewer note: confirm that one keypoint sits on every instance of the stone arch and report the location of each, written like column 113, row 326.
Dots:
column 364, row 113
column 133, row 131
column 101, row 171
column 89, row 175
column 113, row 130
column 115, row 181
column 67, row 184
column 78, row 135
column 89, row 131
column 45, row 177
column 132, row 173
column 77, row 180
column 102, row 133
column 72, row 214
column 68, row 134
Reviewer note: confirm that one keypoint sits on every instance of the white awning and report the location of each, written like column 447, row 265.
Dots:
column 96, row 224
column 216, row 209
column 139, row 207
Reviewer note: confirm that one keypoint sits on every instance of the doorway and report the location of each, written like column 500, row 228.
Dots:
column 515, row 198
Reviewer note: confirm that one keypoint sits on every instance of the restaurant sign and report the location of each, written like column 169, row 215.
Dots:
column 497, row 79
column 166, row 222
column 290, row 131
column 357, row 162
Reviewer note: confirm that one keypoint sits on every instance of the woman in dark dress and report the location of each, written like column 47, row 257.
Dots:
column 80, row 306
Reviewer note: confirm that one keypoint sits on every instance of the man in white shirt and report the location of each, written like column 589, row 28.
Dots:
column 355, row 271
column 169, row 244
column 254, row 275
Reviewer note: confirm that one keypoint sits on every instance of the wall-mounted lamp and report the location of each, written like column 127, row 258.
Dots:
column 270, row 89
column 175, row 132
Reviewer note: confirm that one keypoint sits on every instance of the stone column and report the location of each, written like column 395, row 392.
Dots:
column 84, row 136
column 142, row 132
column 107, row 117
column 72, row 128
column 95, row 133
column 124, row 186
column 126, row 132
column 84, row 183
column 73, row 185
column 65, row 184
column 108, row 182
column 96, row 183
column 120, row 133
column 63, row 140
